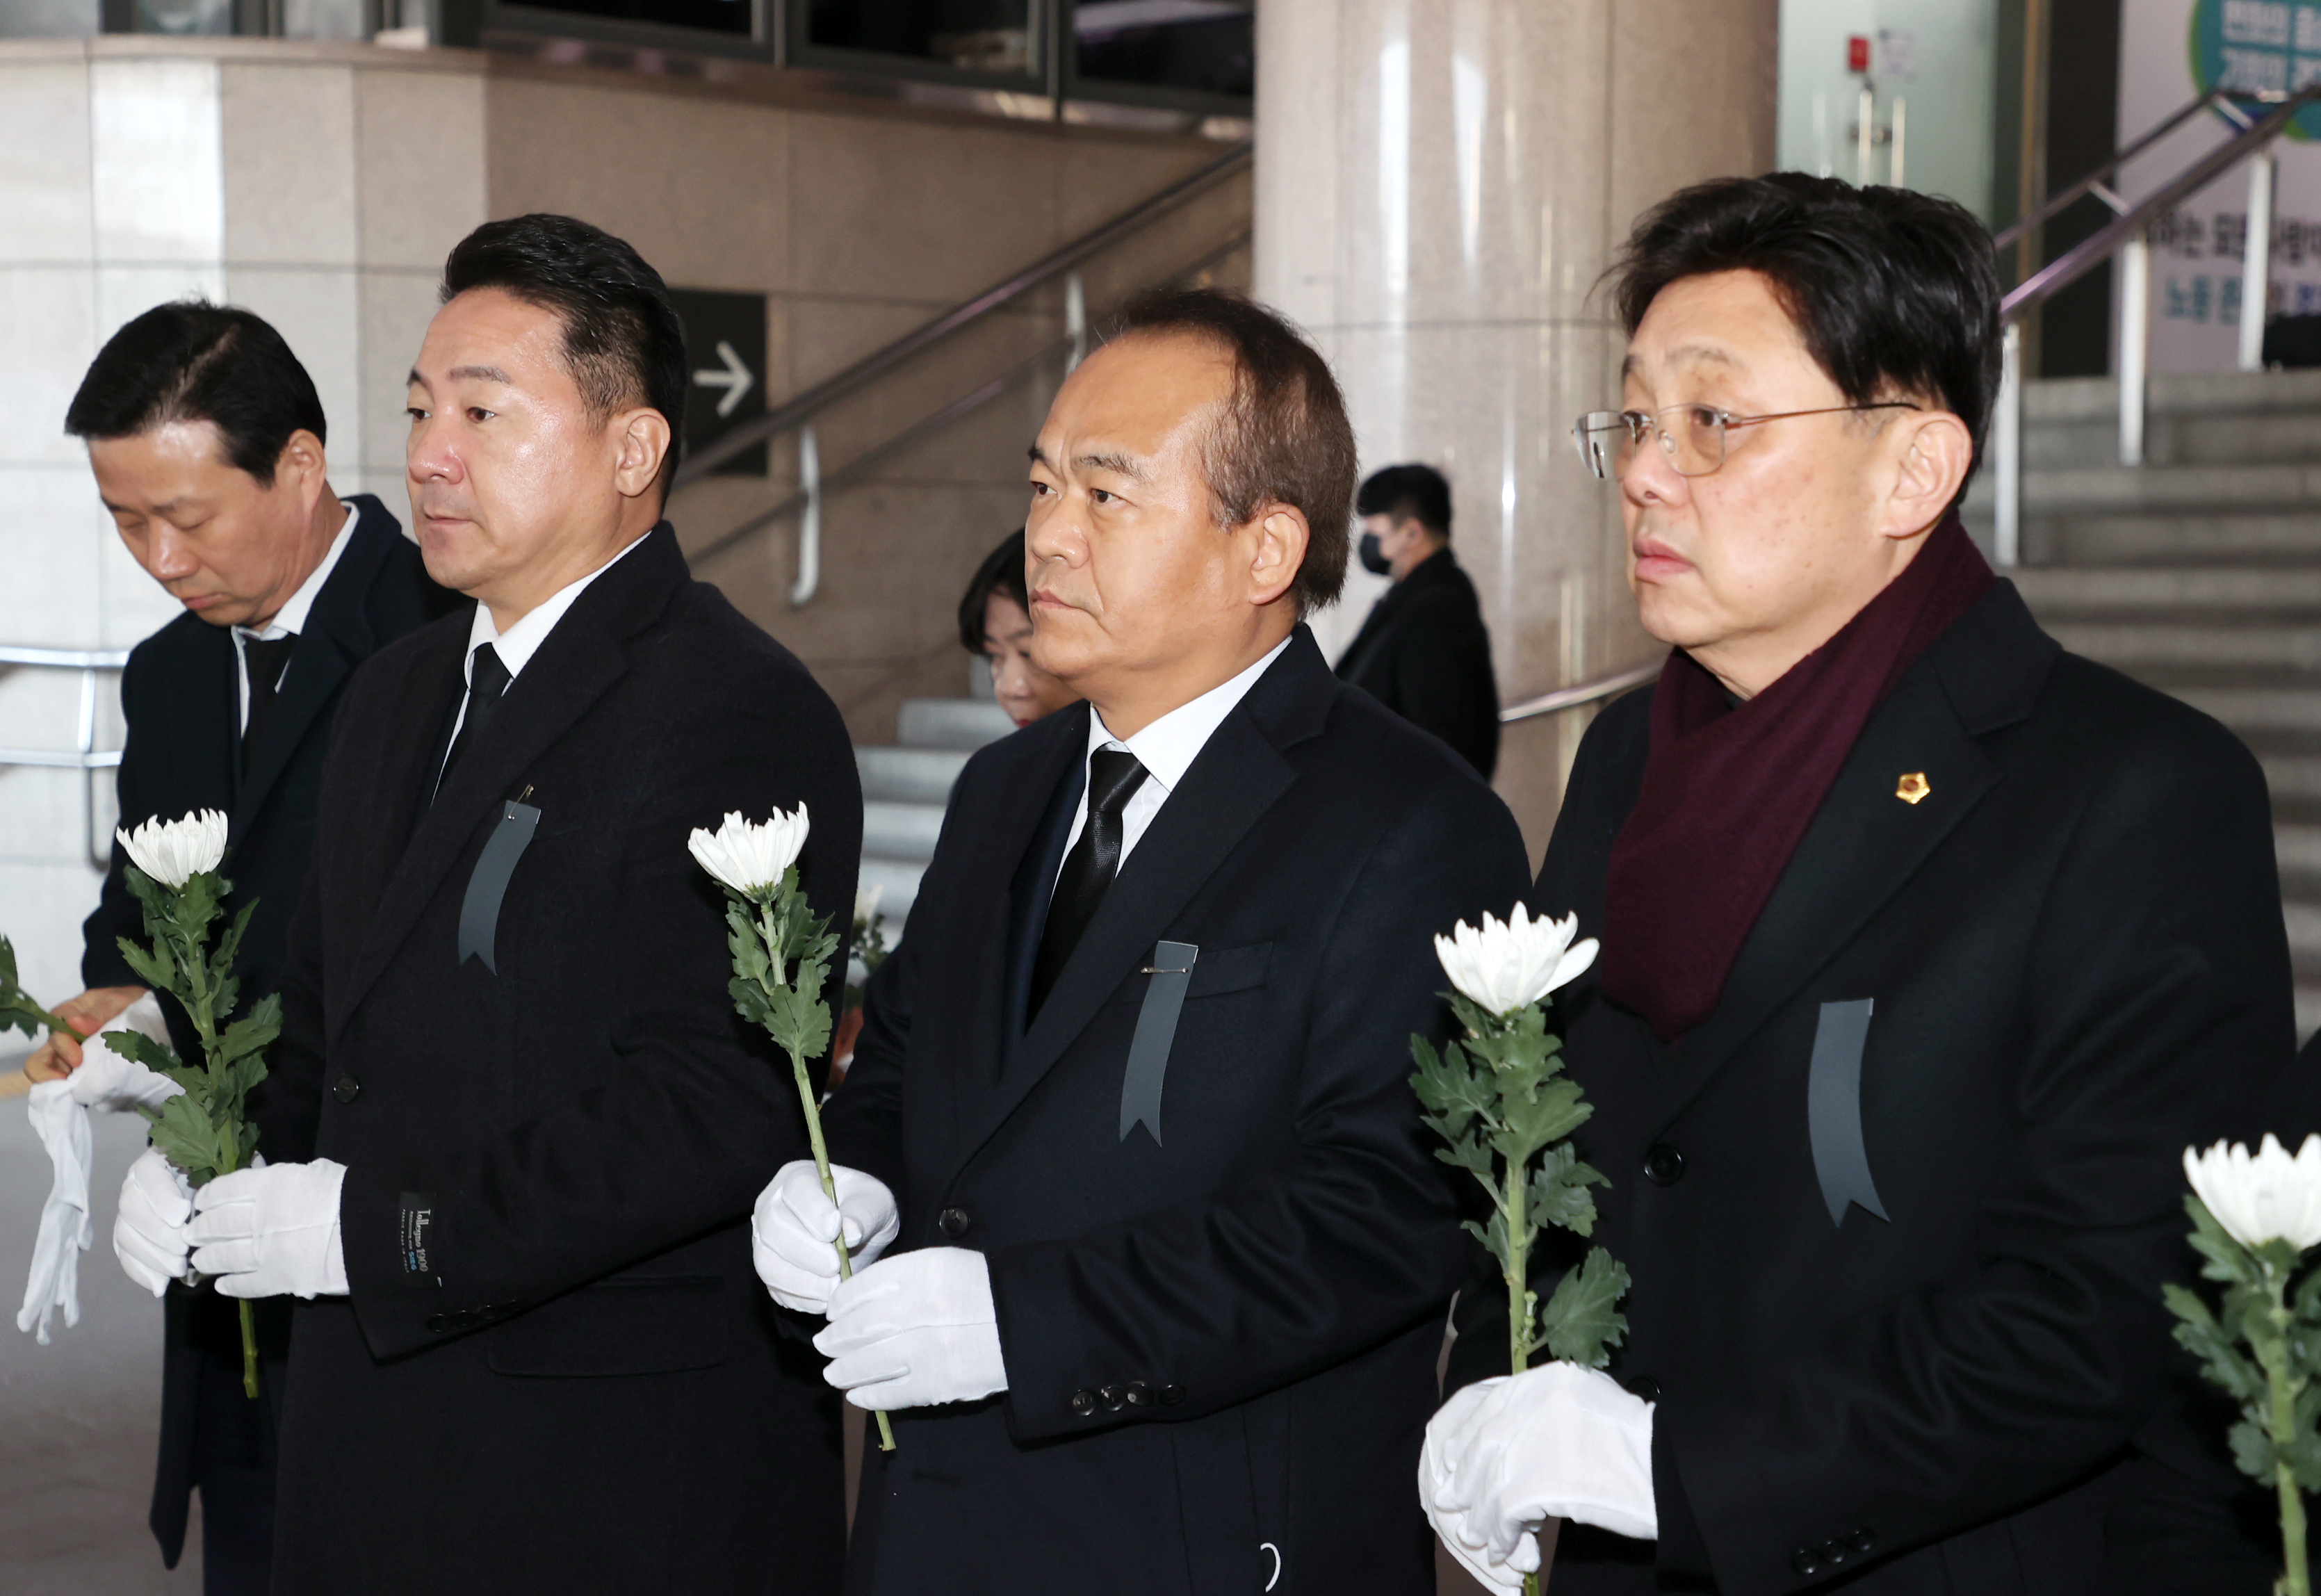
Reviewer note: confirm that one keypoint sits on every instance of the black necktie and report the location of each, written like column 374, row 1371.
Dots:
column 1113, row 777
column 262, row 664
column 487, row 678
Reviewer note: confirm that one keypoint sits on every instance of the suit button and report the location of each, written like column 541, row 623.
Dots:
column 346, row 1089
column 1139, row 1394
column 953, row 1222
column 1663, row 1164
column 1804, row 1561
column 1170, row 1395
column 1832, row 1552
column 1114, row 1396
column 1646, row 1387
column 438, row 1323
column 1084, row 1402
column 1861, row 1540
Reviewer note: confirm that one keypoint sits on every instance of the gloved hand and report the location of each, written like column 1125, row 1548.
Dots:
column 272, row 1231
column 1554, row 1442
column 109, row 1080
column 915, row 1330
column 148, row 1233
column 65, row 1232
column 794, row 1223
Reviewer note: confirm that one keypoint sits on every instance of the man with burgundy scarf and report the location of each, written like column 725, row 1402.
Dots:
column 1928, row 948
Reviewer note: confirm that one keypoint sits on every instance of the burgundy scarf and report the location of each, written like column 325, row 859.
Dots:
column 1729, row 790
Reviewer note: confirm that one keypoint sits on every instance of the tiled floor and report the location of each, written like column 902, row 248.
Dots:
column 80, row 1415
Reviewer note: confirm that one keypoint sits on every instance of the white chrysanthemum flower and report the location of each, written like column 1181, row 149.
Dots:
column 1506, row 966
column 751, row 858
column 866, row 903
column 2267, row 1197
column 174, row 852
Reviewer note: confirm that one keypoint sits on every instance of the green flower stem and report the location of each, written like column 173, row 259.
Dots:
column 1522, row 1305
column 2284, row 1384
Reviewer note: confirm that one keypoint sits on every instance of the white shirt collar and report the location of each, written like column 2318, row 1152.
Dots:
column 291, row 618
column 517, row 644
column 1169, row 746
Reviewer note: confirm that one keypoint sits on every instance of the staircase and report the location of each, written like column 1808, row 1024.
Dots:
column 905, row 787
column 2199, row 573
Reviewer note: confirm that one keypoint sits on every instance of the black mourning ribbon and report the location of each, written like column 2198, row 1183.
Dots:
column 1113, row 777
column 487, row 680
column 263, row 661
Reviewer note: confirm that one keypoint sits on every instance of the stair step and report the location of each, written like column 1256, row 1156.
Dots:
column 2187, row 488
column 2062, row 590
column 898, row 831
column 909, row 775
column 2129, row 644
column 951, row 723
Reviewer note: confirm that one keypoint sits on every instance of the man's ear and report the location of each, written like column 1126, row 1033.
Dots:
column 644, row 441
column 1282, row 536
column 1936, row 452
column 303, row 464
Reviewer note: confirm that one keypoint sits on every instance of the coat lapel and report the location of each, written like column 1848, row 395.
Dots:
column 337, row 638
column 582, row 658
column 1867, row 841
column 1238, row 776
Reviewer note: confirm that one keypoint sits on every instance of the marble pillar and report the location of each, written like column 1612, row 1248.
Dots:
column 1440, row 187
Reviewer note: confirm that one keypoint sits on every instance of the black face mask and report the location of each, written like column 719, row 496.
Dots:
column 1373, row 559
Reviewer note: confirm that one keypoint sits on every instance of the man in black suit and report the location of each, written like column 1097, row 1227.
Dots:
column 1424, row 650
column 1177, row 1250
column 206, row 439
column 532, row 1355
column 1927, row 950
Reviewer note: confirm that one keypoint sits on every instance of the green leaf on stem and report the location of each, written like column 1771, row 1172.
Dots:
column 1560, row 1195
column 1582, row 1322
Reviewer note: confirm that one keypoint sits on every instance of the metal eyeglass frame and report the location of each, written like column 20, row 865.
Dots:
column 1585, row 430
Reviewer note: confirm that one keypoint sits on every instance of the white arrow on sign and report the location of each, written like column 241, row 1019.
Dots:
column 735, row 379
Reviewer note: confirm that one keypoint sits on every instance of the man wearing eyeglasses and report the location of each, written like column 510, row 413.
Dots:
column 1928, row 948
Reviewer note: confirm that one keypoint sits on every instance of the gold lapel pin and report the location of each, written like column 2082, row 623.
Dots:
column 1912, row 787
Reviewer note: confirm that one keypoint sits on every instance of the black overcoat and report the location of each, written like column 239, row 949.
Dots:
column 179, row 698
column 2073, row 949
column 556, row 1370
column 1220, row 1344
column 1425, row 654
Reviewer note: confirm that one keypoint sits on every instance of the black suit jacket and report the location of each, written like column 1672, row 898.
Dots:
column 1224, row 1341
column 2074, row 948
column 1425, row 654
column 179, row 696
column 555, row 1369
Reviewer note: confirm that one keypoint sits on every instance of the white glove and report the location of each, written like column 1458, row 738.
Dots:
column 1554, row 1442
column 66, row 1231
column 795, row 1223
column 149, row 1232
column 108, row 1080
column 273, row 1231
column 916, row 1330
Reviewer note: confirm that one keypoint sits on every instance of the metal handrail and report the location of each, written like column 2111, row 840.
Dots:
column 1585, row 692
column 2093, row 182
column 2126, row 236
column 796, row 412
column 88, row 758
column 809, row 497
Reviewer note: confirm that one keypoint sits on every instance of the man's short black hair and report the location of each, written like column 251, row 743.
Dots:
column 623, row 341
column 193, row 360
column 1408, row 493
column 1896, row 294
column 1283, row 437
column 1002, row 571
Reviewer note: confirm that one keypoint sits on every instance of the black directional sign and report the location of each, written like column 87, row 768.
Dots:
column 725, row 353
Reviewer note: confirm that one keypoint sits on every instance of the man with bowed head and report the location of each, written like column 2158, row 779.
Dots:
column 529, row 1353
column 1132, row 1099
column 1928, row 949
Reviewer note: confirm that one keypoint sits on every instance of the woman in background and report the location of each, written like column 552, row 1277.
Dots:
column 994, row 620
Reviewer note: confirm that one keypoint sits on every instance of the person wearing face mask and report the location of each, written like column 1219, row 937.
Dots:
column 994, row 620
column 205, row 436
column 1423, row 651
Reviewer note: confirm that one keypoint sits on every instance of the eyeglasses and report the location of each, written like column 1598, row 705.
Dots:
column 1694, row 445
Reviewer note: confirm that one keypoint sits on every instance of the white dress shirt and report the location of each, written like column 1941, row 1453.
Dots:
column 288, row 621
column 522, row 640
column 1167, row 750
